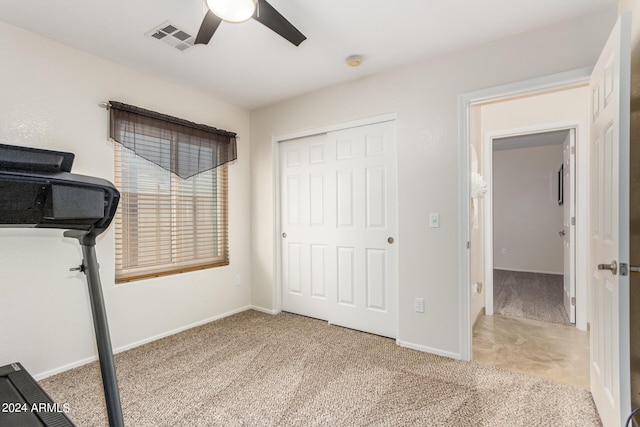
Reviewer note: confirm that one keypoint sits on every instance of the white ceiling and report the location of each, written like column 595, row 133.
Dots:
column 250, row 66
column 531, row 140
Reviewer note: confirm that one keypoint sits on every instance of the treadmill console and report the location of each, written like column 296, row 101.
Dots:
column 37, row 189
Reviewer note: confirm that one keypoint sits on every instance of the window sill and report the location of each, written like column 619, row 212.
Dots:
column 169, row 273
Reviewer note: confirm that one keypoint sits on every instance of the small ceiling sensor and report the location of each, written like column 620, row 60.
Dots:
column 354, row 61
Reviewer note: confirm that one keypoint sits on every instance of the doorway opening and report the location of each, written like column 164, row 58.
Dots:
column 533, row 240
column 526, row 295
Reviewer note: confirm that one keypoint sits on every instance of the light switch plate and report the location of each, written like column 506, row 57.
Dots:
column 434, row 220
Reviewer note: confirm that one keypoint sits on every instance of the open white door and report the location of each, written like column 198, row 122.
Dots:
column 569, row 232
column 609, row 224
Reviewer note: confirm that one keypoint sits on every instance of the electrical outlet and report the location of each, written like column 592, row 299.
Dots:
column 418, row 305
column 237, row 281
column 504, row 251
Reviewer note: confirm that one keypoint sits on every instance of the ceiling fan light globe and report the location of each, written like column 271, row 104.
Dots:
column 232, row 10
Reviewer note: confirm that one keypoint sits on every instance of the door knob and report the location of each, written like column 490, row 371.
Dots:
column 284, row 235
column 561, row 233
column 390, row 240
column 613, row 267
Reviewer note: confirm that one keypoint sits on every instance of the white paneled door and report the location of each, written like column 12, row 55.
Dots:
column 609, row 227
column 338, row 221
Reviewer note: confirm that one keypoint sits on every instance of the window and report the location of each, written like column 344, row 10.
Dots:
column 165, row 223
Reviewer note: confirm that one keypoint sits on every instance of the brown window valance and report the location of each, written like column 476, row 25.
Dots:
column 177, row 145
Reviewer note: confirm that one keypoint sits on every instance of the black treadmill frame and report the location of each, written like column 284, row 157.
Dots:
column 25, row 394
column 47, row 172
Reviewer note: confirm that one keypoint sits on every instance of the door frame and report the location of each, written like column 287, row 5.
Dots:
column 526, row 87
column 580, row 230
column 277, row 225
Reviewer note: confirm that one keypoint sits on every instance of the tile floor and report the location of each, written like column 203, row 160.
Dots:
column 559, row 353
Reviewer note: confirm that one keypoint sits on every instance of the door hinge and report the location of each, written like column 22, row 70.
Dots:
column 624, row 269
column 573, row 300
column 573, row 220
column 468, row 244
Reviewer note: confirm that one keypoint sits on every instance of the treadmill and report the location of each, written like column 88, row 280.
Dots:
column 37, row 189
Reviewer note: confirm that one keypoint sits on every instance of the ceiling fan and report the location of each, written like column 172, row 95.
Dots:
column 240, row 11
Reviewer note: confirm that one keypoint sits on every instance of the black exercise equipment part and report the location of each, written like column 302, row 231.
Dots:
column 24, row 403
column 37, row 189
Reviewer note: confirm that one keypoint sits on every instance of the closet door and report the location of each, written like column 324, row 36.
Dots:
column 307, row 194
column 339, row 248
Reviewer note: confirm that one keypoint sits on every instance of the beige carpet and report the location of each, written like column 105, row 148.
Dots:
column 253, row 369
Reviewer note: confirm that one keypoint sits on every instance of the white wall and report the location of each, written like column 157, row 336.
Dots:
column 425, row 97
column 49, row 96
column 476, row 235
column 526, row 214
column 570, row 104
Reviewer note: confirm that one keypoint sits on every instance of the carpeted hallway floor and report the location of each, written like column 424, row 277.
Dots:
column 253, row 369
column 534, row 296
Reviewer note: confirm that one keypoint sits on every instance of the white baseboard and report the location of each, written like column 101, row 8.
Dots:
column 63, row 368
column 86, row 360
column 524, row 270
column 426, row 349
column 180, row 329
column 263, row 310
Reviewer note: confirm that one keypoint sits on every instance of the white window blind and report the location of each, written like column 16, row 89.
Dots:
column 166, row 224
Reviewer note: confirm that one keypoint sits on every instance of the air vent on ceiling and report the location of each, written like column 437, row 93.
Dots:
column 172, row 35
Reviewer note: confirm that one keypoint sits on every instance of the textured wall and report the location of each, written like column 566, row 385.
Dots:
column 49, row 96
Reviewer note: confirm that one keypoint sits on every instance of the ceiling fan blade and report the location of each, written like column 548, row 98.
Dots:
column 271, row 18
column 209, row 26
